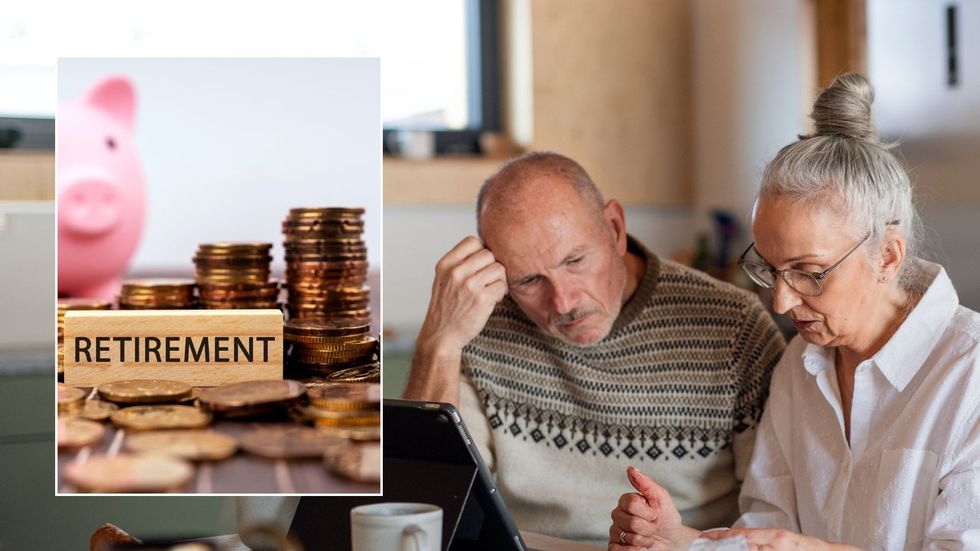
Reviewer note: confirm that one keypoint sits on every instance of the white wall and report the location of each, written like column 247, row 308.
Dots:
column 750, row 65
column 938, row 126
column 229, row 145
column 27, row 282
column 416, row 237
column 907, row 61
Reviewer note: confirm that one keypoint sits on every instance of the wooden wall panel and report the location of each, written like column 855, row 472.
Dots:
column 611, row 89
column 26, row 175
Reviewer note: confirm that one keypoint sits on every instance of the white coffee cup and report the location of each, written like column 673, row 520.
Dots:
column 396, row 527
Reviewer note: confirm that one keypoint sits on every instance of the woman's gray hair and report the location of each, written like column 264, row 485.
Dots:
column 845, row 166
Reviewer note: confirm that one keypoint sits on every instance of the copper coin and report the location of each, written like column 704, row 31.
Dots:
column 69, row 398
column 326, row 418
column 96, row 410
column 326, row 328
column 160, row 417
column 78, row 433
column 363, row 373
column 193, row 445
column 144, row 391
column 129, row 473
column 346, row 396
column 285, row 442
column 298, row 212
column 232, row 396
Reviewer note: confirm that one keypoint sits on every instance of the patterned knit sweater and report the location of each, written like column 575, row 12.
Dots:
column 676, row 389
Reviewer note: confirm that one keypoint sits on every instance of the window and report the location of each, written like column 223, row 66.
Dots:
column 27, row 95
column 440, row 71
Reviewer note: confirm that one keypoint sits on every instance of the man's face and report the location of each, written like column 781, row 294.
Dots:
column 564, row 262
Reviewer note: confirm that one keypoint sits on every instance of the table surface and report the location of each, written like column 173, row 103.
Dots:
column 240, row 473
column 534, row 541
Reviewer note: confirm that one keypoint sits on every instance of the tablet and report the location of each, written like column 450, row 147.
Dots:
column 430, row 458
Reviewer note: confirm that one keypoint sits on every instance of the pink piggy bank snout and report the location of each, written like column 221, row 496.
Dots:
column 90, row 203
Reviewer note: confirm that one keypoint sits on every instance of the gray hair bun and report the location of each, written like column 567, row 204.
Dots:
column 844, row 108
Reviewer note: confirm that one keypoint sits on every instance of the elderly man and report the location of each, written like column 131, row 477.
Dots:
column 572, row 352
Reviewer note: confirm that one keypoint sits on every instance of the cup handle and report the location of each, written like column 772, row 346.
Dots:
column 414, row 539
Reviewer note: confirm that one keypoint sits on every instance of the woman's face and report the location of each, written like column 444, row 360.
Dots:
column 790, row 235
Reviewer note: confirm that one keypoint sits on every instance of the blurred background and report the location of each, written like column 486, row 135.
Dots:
column 674, row 107
column 227, row 147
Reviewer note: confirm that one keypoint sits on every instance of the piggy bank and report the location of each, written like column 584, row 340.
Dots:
column 101, row 194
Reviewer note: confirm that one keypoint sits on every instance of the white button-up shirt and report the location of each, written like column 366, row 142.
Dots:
column 910, row 478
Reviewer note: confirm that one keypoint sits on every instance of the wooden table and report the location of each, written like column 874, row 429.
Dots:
column 534, row 541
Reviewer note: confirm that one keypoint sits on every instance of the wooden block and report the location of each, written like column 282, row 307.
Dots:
column 198, row 347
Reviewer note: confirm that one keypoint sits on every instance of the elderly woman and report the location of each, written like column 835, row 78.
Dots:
column 871, row 435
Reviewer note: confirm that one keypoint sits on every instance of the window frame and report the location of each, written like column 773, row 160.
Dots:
column 482, row 44
column 35, row 132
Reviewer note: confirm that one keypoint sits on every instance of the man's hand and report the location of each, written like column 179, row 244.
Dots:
column 647, row 519
column 468, row 283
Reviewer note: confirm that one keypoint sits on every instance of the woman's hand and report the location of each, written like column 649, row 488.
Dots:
column 769, row 539
column 647, row 520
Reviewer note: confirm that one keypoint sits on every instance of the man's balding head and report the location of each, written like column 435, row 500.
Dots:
column 563, row 249
column 538, row 176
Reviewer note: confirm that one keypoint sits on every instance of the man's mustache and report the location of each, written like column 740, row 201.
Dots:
column 571, row 316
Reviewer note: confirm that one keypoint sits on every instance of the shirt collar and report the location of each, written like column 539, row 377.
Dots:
column 902, row 356
column 905, row 352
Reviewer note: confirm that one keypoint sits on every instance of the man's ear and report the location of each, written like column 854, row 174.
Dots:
column 615, row 217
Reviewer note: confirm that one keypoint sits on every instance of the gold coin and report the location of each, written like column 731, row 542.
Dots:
column 160, row 417
column 327, row 418
column 238, row 246
column 364, row 346
column 307, row 341
column 158, row 285
column 326, row 328
column 346, row 396
column 69, row 398
column 129, row 473
column 330, row 358
column 361, row 463
column 284, row 442
column 96, row 410
column 299, row 212
column 363, row 373
column 144, row 391
column 250, row 394
column 65, row 304
column 78, row 433
column 193, row 445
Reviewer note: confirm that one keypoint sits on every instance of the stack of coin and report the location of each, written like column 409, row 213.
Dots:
column 157, row 294
column 342, row 405
column 235, row 275
column 326, row 263
column 321, row 347
column 65, row 304
column 70, row 399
